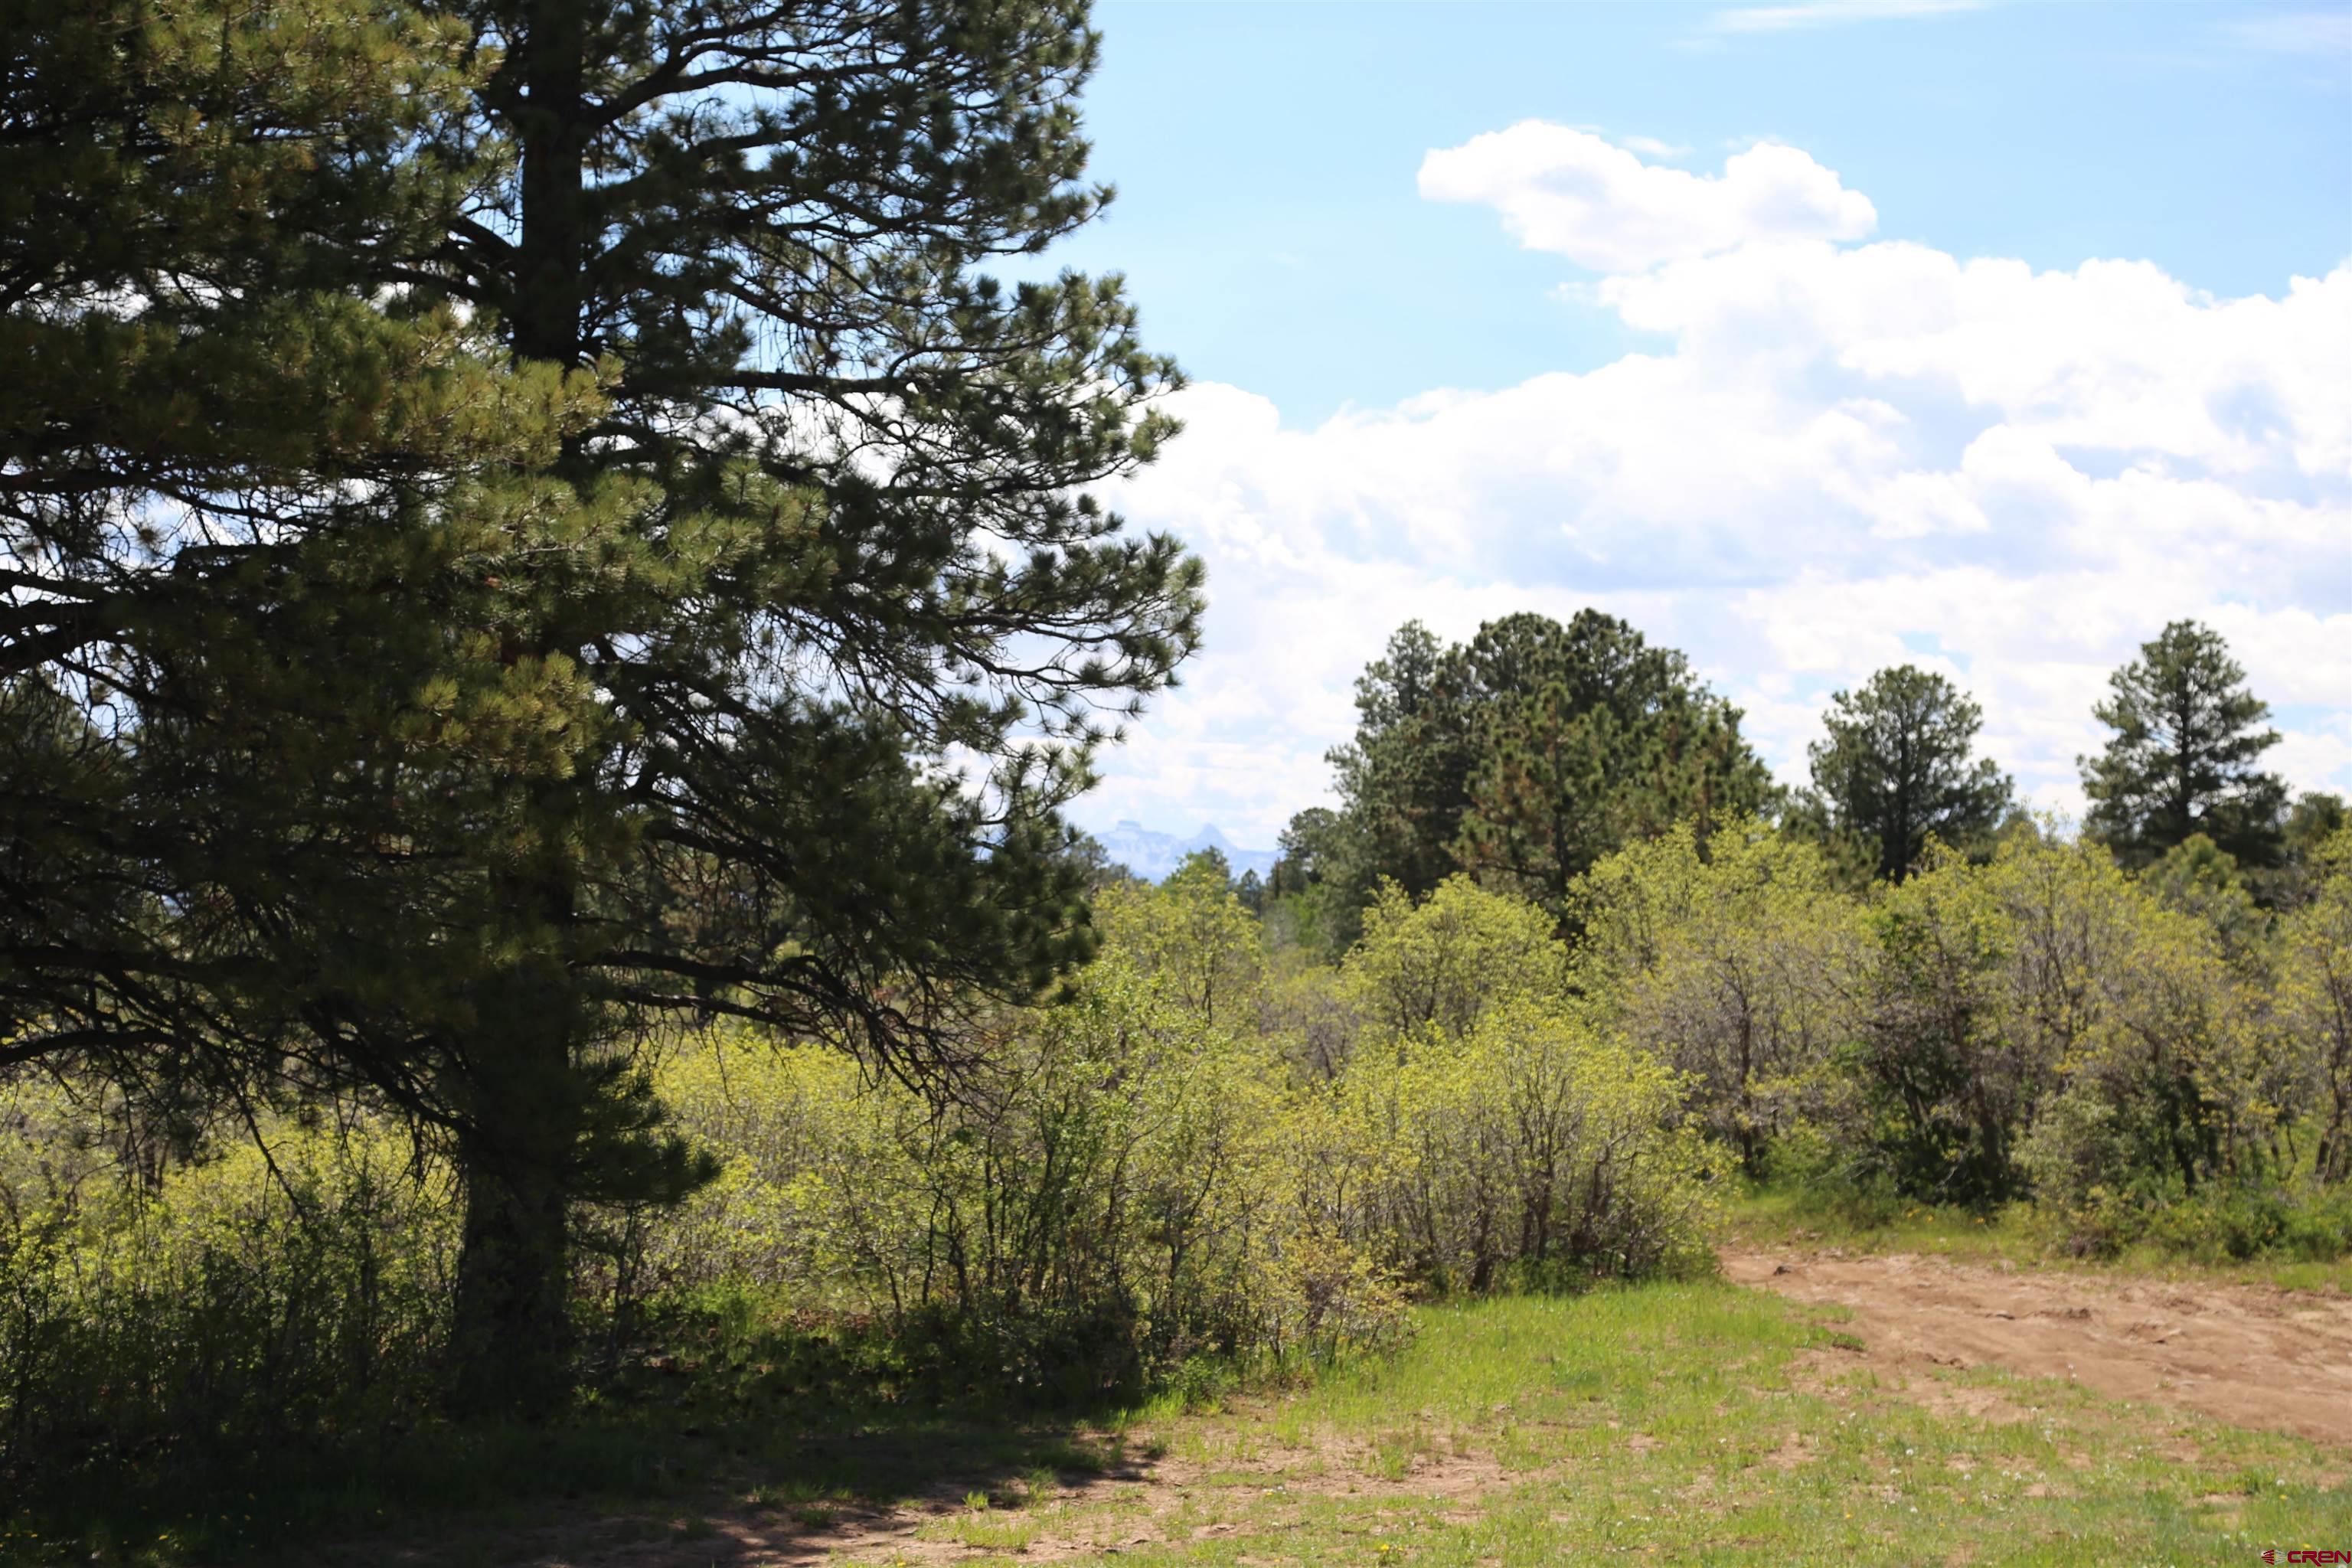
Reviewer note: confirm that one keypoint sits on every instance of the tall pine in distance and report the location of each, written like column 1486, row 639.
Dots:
column 1896, row 768
column 1405, row 777
column 1588, row 737
column 646, row 718
column 2185, row 756
column 1519, row 757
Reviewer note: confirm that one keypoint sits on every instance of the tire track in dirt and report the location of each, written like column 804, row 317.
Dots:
column 2274, row 1360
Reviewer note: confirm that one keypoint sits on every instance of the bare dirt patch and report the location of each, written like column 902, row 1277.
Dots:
column 1147, row 1498
column 736, row 1536
column 1338, row 1467
column 2272, row 1360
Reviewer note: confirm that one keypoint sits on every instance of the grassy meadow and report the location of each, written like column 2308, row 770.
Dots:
column 1688, row 1421
column 1702, row 1423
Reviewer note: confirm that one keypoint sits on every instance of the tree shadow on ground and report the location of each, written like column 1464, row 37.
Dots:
column 771, row 1447
column 787, row 1494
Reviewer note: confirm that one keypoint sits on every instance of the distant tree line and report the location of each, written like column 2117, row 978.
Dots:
column 1526, row 755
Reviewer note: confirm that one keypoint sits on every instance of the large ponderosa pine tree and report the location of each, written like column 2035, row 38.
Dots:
column 1895, row 768
column 625, row 694
column 2185, row 756
column 233, row 571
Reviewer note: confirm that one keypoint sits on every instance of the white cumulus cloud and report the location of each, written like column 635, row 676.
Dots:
column 1848, row 456
column 1570, row 190
column 1831, row 13
column 2326, row 35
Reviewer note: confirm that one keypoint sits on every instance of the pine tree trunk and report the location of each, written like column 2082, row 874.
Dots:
column 512, row 1336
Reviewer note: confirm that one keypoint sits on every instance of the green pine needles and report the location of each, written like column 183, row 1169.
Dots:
column 510, row 511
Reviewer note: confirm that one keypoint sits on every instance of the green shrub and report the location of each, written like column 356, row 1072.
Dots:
column 1532, row 1149
column 1119, row 1194
column 253, row 1297
column 2237, row 1223
column 1733, row 961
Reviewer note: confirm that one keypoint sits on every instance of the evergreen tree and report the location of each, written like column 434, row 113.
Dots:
column 1558, row 787
column 2184, row 756
column 1312, row 894
column 623, row 699
column 1527, row 753
column 1308, row 849
column 1406, row 776
column 2317, row 817
column 2200, row 881
column 1093, row 865
column 1896, row 769
column 2312, row 822
column 229, row 560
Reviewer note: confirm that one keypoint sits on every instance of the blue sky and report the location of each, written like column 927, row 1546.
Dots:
column 1808, row 337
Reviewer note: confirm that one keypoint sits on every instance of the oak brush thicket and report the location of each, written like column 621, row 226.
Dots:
column 1205, row 1155
column 1216, row 1149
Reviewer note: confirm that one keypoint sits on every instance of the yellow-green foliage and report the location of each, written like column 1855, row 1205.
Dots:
column 2133, row 1051
column 1311, row 1015
column 2052, row 981
column 1441, row 964
column 1196, row 1152
column 1119, row 1192
column 1205, row 1149
column 1529, row 1147
column 292, row 1286
column 2314, row 1006
column 1193, row 936
column 1733, row 961
column 1145, row 1172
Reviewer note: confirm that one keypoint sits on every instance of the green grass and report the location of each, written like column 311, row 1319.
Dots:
column 1786, row 1215
column 1678, row 1423
column 1695, row 1423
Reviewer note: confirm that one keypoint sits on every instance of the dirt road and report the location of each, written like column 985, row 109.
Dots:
column 2249, row 1357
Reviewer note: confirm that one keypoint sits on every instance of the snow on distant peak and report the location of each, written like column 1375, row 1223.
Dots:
column 1154, row 856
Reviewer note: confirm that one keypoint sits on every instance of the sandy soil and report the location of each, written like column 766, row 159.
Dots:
column 2268, row 1359
column 1147, row 1496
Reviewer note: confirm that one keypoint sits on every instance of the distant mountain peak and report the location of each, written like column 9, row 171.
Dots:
column 1154, row 856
